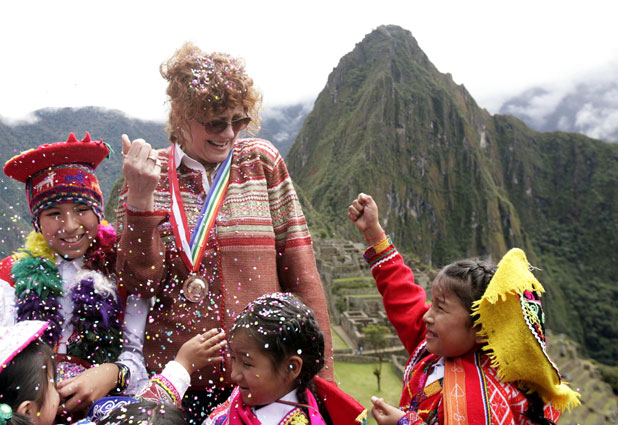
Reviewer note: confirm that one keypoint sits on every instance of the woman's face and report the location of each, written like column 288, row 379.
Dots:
column 205, row 145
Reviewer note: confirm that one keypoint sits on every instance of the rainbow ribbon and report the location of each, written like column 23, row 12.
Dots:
column 193, row 248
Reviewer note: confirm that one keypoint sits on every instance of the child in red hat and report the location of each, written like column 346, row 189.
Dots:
column 64, row 275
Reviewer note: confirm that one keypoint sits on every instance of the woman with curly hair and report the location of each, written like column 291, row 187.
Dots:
column 213, row 221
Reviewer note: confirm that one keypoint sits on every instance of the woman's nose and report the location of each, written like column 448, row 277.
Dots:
column 427, row 316
column 228, row 133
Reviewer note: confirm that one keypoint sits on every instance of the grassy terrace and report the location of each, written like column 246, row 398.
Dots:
column 338, row 342
column 357, row 380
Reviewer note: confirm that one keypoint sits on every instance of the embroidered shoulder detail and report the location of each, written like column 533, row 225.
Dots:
column 161, row 390
column 295, row 417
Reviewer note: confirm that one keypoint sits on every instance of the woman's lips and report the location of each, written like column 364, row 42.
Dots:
column 219, row 145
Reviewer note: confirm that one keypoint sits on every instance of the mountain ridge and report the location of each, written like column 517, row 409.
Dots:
column 453, row 181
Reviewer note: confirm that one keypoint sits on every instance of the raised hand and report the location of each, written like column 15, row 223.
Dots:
column 141, row 168
column 201, row 350
column 363, row 212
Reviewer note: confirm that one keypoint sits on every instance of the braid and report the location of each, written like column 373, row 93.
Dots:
column 534, row 412
column 302, row 398
column 468, row 279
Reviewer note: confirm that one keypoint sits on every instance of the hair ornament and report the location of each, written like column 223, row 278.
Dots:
column 272, row 307
column 207, row 76
column 6, row 413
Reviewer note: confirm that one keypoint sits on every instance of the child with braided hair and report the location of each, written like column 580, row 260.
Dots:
column 477, row 353
column 276, row 349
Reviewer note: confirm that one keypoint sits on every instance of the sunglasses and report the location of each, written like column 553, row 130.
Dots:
column 219, row 126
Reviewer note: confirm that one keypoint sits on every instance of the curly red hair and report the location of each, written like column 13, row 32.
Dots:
column 202, row 85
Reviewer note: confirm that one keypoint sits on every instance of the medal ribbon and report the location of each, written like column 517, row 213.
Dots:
column 193, row 247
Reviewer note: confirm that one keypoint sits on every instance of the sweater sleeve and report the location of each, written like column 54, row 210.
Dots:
column 140, row 263
column 404, row 301
column 296, row 266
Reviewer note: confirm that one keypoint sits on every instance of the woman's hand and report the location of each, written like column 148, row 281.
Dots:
column 90, row 385
column 141, row 169
column 364, row 214
column 201, row 350
column 384, row 413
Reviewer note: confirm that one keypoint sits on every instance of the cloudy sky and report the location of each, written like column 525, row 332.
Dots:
column 85, row 53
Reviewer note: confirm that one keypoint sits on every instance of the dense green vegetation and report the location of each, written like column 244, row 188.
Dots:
column 452, row 181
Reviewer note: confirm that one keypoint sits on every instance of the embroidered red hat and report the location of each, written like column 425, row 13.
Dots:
column 60, row 172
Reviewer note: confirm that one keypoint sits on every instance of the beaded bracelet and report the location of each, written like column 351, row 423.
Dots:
column 132, row 208
column 122, row 382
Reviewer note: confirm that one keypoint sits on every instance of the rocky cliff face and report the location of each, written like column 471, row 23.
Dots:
column 452, row 181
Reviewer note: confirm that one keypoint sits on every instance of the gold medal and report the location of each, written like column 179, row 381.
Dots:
column 195, row 288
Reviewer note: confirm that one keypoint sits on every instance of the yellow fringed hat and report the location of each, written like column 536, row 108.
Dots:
column 512, row 321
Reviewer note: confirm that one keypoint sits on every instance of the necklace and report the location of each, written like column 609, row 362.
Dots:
column 96, row 315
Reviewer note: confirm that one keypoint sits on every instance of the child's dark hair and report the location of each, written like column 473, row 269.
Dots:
column 468, row 280
column 26, row 378
column 285, row 326
column 145, row 412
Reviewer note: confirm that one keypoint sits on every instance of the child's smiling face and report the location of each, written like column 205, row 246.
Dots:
column 69, row 228
column 449, row 326
column 260, row 382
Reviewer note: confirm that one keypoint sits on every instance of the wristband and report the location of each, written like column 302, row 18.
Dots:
column 132, row 208
column 372, row 241
column 122, row 381
column 382, row 245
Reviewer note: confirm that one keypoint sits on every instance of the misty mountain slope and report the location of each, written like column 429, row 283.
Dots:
column 589, row 107
column 453, row 181
column 54, row 125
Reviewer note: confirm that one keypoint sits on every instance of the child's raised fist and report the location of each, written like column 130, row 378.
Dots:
column 363, row 212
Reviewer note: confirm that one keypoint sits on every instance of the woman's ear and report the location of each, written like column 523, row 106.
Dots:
column 27, row 408
column 294, row 366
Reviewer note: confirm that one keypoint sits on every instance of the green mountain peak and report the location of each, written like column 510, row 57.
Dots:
column 452, row 181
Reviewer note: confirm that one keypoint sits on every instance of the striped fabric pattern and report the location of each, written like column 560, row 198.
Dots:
column 259, row 244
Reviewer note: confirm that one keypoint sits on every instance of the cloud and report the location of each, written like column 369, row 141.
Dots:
column 587, row 104
column 26, row 119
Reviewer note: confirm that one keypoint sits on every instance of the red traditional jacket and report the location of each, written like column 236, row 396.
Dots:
column 475, row 395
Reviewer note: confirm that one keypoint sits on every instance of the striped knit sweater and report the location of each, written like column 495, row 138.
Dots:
column 260, row 244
